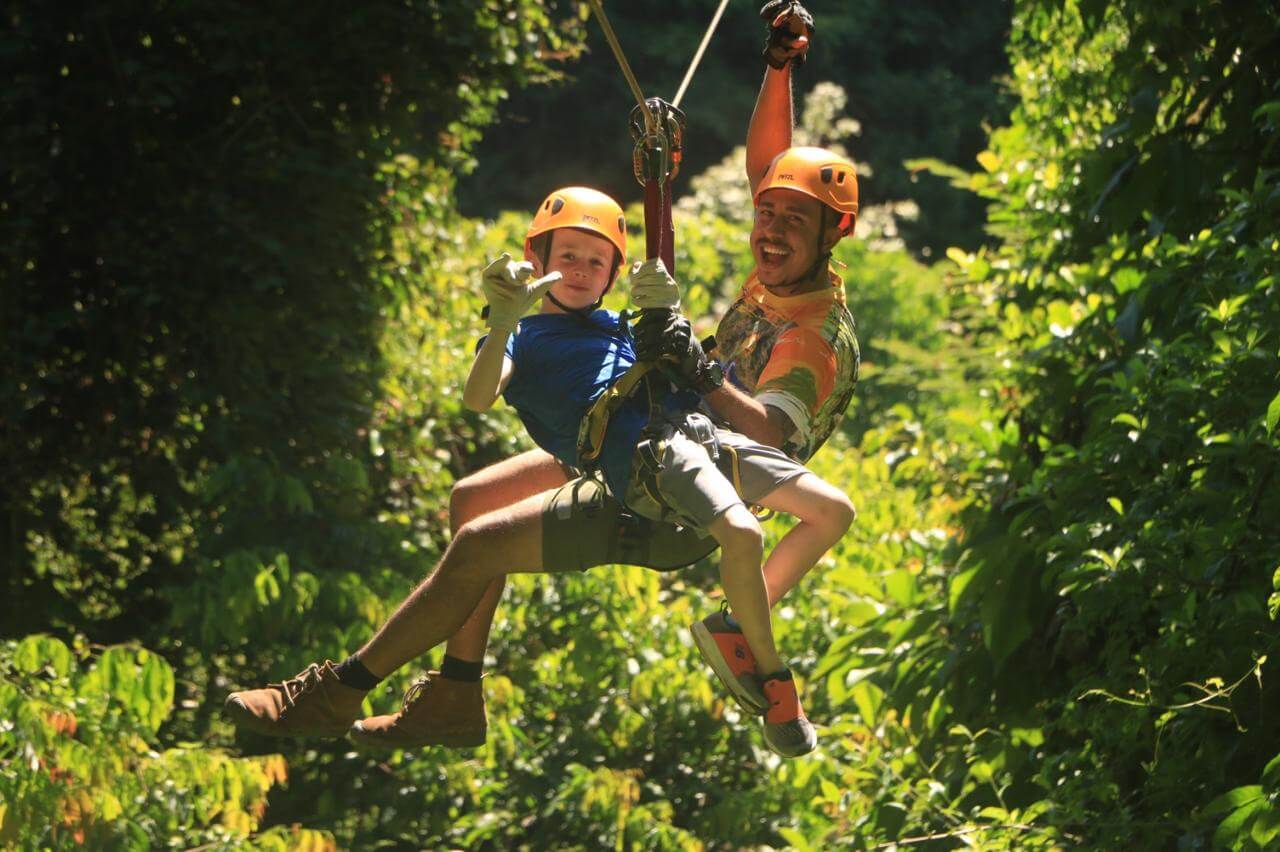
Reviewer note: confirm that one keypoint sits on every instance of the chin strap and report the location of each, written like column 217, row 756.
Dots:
column 581, row 313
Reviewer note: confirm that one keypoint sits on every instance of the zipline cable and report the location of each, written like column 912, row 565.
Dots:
column 697, row 57
column 622, row 60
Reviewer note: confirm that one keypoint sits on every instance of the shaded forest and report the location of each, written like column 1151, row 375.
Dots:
column 240, row 296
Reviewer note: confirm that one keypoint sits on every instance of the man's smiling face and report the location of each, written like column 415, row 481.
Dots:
column 784, row 238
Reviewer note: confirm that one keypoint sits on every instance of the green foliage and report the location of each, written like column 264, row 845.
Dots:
column 80, row 764
column 310, row 458
column 231, row 429
column 204, row 254
column 1113, row 583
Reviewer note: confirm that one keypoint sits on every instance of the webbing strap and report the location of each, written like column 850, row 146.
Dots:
column 593, row 426
column 734, row 467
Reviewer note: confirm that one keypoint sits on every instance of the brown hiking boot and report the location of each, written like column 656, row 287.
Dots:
column 436, row 711
column 311, row 704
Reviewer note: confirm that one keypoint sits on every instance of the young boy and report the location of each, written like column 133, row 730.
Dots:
column 551, row 367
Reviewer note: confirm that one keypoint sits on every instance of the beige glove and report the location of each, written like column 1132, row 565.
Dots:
column 509, row 292
column 652, row 287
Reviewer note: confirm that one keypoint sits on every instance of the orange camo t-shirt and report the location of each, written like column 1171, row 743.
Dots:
column 798, row 354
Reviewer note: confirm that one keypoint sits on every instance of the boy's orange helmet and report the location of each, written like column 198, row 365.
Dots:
column 585, row 208
column 820, row 174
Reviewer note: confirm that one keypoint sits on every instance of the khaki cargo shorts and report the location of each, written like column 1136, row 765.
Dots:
column 582, row 527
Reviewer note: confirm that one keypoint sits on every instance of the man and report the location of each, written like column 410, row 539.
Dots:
column 788, row 348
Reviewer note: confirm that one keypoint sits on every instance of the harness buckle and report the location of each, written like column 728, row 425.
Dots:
column 699, row 429
column 649, row 456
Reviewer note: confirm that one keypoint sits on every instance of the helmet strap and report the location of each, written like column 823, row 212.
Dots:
column 580, row 313
column 824, row 257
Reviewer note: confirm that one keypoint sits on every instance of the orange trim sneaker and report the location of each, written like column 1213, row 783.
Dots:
column 725, row 649
column 786, row 730
column 313, row 703
column 436, row 711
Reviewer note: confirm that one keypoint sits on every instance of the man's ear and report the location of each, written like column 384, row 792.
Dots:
column 830, row 238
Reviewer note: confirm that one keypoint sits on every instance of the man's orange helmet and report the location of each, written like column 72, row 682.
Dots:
column 820, row 174
column 585, row 208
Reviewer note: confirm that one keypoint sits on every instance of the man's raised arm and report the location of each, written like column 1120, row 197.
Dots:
column 790, row 27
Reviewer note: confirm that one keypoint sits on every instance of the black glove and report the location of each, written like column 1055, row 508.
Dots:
column 666, row 337
column 790, row 31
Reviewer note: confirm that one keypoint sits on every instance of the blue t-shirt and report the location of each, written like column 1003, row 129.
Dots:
column 561, row 364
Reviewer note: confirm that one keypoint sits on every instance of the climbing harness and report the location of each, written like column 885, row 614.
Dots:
column 657, row 129
column 595, row 423
column 699, row 429
column 618, row 535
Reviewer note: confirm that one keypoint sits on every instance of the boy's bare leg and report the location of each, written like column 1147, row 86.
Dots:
column 495, row 487
column 741, row 550
column 825, row 514
column 770, row 688
column 506, row 541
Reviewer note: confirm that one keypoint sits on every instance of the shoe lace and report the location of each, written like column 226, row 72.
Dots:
column 416, row 690
column 300, row 684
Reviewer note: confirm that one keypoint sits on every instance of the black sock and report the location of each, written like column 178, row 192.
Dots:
column 353, row 673
column 464, row 670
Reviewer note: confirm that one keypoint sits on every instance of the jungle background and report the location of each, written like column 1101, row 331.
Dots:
column 240, row 251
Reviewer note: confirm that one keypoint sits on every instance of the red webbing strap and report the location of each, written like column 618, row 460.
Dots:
column 659, row 232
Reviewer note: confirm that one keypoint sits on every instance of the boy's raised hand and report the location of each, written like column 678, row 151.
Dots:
column 509, row 292
column 790, row 29
column 652, row 286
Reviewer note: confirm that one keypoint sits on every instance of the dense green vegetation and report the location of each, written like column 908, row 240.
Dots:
column 237, row 298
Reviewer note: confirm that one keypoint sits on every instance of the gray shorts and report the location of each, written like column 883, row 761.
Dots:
column 584, row 526
column 696, row 472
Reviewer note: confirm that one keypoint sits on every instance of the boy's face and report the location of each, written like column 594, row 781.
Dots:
column 586, row 262
column 784, row 237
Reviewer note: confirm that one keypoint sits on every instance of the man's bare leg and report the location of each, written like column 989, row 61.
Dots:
column 321, row 701
column 495, row 487
column 506, row 541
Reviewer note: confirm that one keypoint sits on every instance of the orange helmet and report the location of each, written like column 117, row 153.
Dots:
column 820, row 174
column 585, row 208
